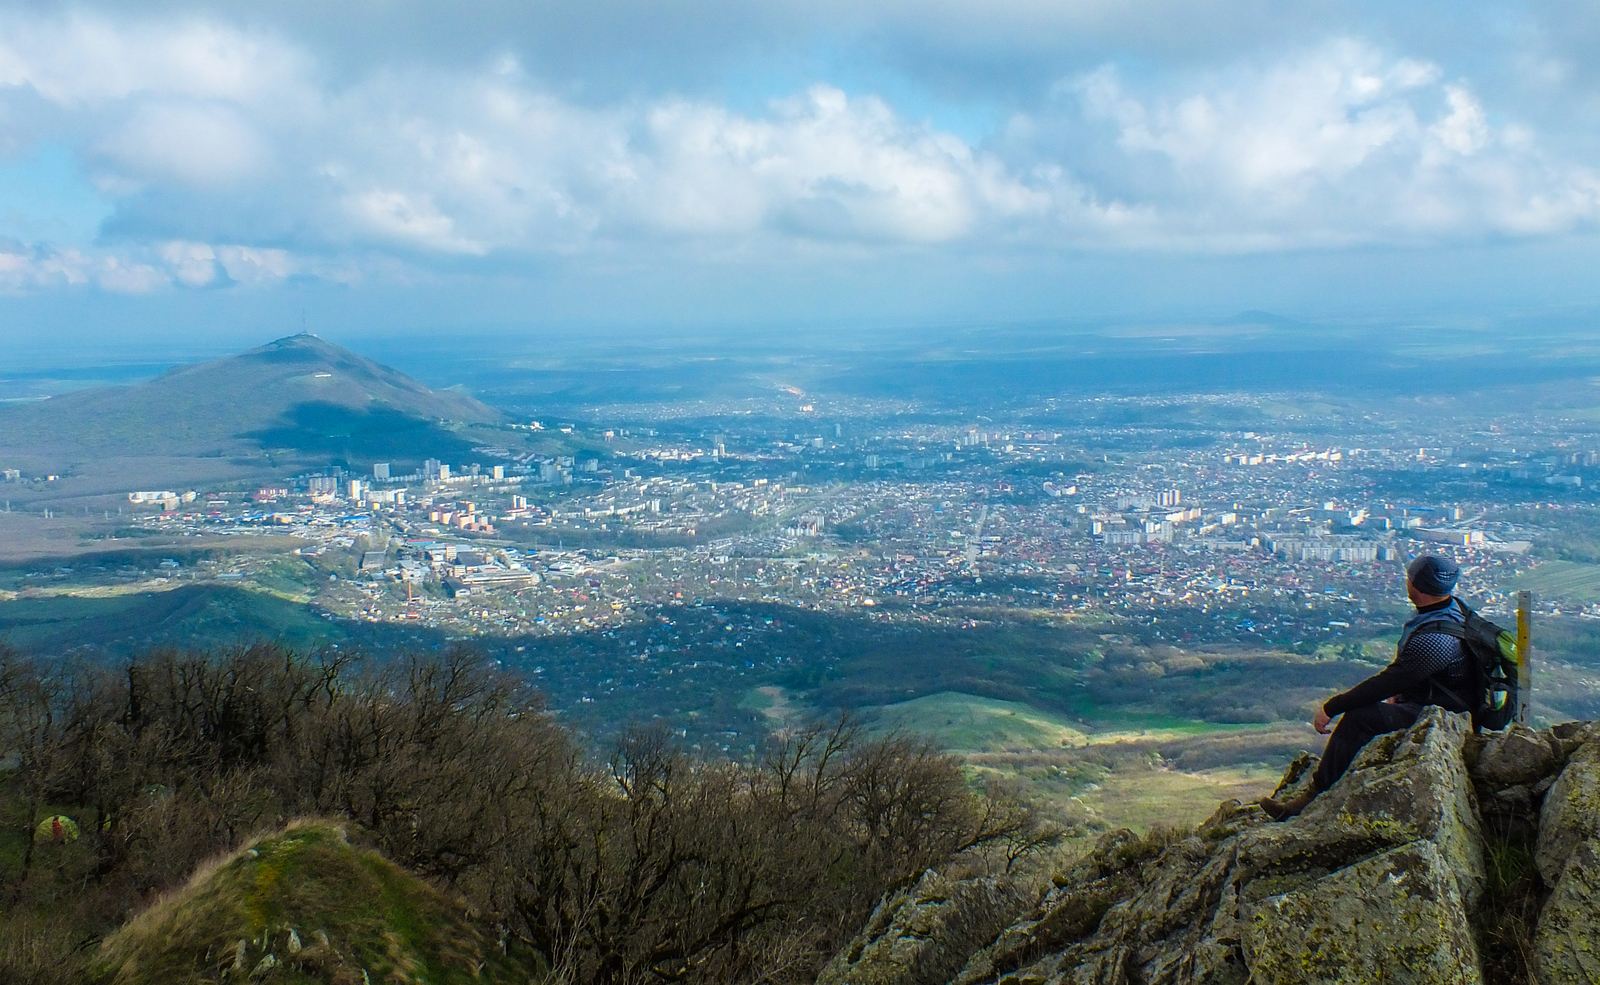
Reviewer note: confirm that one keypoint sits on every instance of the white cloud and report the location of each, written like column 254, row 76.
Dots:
column 824, row 166
column 1341, row 144
column 233, row 159
column 1317, row 117
column 411, row 219
column 192, row 264
column 145, row 269
column 1465, row 129
column 84, row 60
column 195, row 144
column 24, row 268
column 254, row 265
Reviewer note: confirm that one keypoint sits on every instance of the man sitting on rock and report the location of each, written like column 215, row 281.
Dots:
column 1430, row 668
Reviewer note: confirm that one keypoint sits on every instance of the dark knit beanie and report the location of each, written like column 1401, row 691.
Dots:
column 1433, row 575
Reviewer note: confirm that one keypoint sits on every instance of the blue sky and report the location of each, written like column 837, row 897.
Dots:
column 195, row 170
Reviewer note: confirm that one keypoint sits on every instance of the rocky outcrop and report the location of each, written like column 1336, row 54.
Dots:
column 923, row 935
column 1571, row 812
column 1382, row 879
column 1567, row 947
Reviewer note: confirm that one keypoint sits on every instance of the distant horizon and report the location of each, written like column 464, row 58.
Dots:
column 112, row 349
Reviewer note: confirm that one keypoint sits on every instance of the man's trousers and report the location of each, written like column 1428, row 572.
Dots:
column 1355, row 729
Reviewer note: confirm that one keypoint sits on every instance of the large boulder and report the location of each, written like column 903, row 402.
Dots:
column 1515, row 755
column 923, row 935
column 1395, row 918
column 1571, row 812
column 1403, row 787
column 1566, row 948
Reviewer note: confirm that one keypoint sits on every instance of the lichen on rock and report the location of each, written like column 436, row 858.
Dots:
column 923, row 935
column 1571, row 812
column 1567, row 945
column 1394, row 918
column 1375, row 882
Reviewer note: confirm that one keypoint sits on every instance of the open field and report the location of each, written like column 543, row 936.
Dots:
column 1144, row 799
column 1562, row 580
column 1151, row 771
column 968, row 723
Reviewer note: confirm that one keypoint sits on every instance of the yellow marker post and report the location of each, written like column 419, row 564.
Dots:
column 1524, row 656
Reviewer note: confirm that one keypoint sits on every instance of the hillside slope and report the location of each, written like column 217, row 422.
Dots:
column 299, row 396
column 305, row 906
column 208, row 406
column 1440, row 857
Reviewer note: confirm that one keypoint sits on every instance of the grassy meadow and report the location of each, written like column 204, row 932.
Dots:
column 1145, row 772
column 1561, row 580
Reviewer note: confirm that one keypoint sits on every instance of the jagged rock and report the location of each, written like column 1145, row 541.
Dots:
column 1395, row 918
column 1571, row 813
column 1519, row 797
column 1566, row 948
column 1380, row 868
column 1517, row 755
column 1569, row 736
column 1230, row 818
column 1379, row 880
column 1067, row 914
column 1297, row 778
column 923, row 935
column 1405, row 786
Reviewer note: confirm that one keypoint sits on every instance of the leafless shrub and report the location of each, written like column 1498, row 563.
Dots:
column 650, row 866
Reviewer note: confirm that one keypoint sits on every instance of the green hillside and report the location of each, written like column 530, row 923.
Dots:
column 297, row 394
column 207, row 614
column 305, row 906
column 969, row 723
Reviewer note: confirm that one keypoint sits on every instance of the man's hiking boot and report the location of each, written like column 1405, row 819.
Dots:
column 1285, row 809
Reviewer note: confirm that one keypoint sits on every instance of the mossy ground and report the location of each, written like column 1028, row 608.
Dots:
column 305, row 906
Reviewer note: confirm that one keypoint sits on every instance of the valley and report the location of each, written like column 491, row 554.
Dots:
column 1125, row 606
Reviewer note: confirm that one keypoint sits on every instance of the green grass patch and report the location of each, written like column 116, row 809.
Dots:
column 306, row 906
column 289, row 578
column 1561, row 579
column 967, row 722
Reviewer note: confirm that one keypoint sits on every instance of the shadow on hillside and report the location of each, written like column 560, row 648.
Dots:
column 378, row 434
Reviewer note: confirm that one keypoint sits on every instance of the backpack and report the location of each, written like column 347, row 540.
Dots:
column 1493, row 652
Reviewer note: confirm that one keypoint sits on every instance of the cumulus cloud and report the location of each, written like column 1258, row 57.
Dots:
column 824, row 165
column 24, row 268
column 147, row 268
column 195, row 144
column 234, row 156
column 83, row 60
column 1340, row 144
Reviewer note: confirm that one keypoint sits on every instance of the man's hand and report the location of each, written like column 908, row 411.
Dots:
column 1321, row 722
